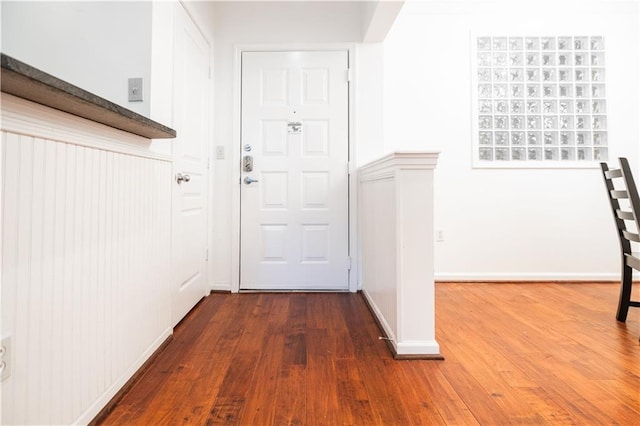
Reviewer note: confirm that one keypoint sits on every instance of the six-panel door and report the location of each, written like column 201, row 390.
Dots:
column 294, row 215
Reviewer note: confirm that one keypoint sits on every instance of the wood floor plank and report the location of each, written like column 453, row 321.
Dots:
column 547, row 353
column 353, row 399
column 230, row 402
column 384, row 394
column 260, row 404
column 290, row 404
column 321, row 384
column 445, row 400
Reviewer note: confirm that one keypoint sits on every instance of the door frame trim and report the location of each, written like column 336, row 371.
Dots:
column 350, row 48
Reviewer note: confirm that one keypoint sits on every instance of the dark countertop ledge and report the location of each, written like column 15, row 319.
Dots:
column 27, row 82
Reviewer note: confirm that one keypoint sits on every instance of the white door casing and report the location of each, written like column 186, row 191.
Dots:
column 294, row 232
column 189, row 152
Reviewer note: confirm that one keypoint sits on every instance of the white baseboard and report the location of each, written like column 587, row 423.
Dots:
column 104, row 399
column 526, row 276
column 221, row 286
column 390, row 334
column 423, row 347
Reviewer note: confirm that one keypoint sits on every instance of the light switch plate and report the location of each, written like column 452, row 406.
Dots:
column 135, row 89
column 220, row 152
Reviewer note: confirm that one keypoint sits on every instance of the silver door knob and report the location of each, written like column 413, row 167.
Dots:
column 249, row 180
column 182, row 178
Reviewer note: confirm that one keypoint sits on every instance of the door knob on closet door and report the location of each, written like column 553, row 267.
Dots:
column 249, row 180
column 182, row 178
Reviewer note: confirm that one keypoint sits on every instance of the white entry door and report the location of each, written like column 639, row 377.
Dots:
column 190, row 119
column 295, row 132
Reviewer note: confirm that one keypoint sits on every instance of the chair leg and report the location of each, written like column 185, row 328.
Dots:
column 625, row 293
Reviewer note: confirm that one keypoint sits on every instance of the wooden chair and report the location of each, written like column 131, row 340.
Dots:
column 621, row 186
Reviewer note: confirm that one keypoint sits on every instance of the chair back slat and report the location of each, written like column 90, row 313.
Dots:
column 624, row 215
column 613, row 173
column 631, row 236
column 619, row 195
column 632, row 261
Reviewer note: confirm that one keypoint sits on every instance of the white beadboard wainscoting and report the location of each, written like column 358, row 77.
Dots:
column 85, row 261
column 396, row 228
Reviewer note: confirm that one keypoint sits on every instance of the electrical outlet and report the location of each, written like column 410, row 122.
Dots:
column 5, row 358
column 439, row 235
column 135, row 89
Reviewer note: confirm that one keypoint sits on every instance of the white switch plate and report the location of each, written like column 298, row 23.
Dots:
column 220, row 152
column 135, row 89
column 5, row 358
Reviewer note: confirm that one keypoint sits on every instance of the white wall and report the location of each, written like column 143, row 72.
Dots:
column 97, row 46
column 508, row 224
column 292, row 24
column 369, row 117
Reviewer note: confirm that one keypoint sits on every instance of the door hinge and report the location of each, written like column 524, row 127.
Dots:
column 349, row 263
column 349, row 167
column 206, row 255
column 349, row 74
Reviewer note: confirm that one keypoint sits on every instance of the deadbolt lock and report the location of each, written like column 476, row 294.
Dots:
column 247, row 163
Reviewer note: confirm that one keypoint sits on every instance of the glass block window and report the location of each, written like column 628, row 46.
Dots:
column 539, row 101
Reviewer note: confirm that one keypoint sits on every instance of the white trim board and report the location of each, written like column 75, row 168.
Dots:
column 101, row 402
column 525, row 276
column 29, row 118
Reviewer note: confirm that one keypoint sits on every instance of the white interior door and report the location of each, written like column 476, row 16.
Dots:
column 189, row 152
column 295, row 126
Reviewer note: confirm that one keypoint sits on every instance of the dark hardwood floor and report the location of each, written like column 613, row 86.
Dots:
column 514, row 354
